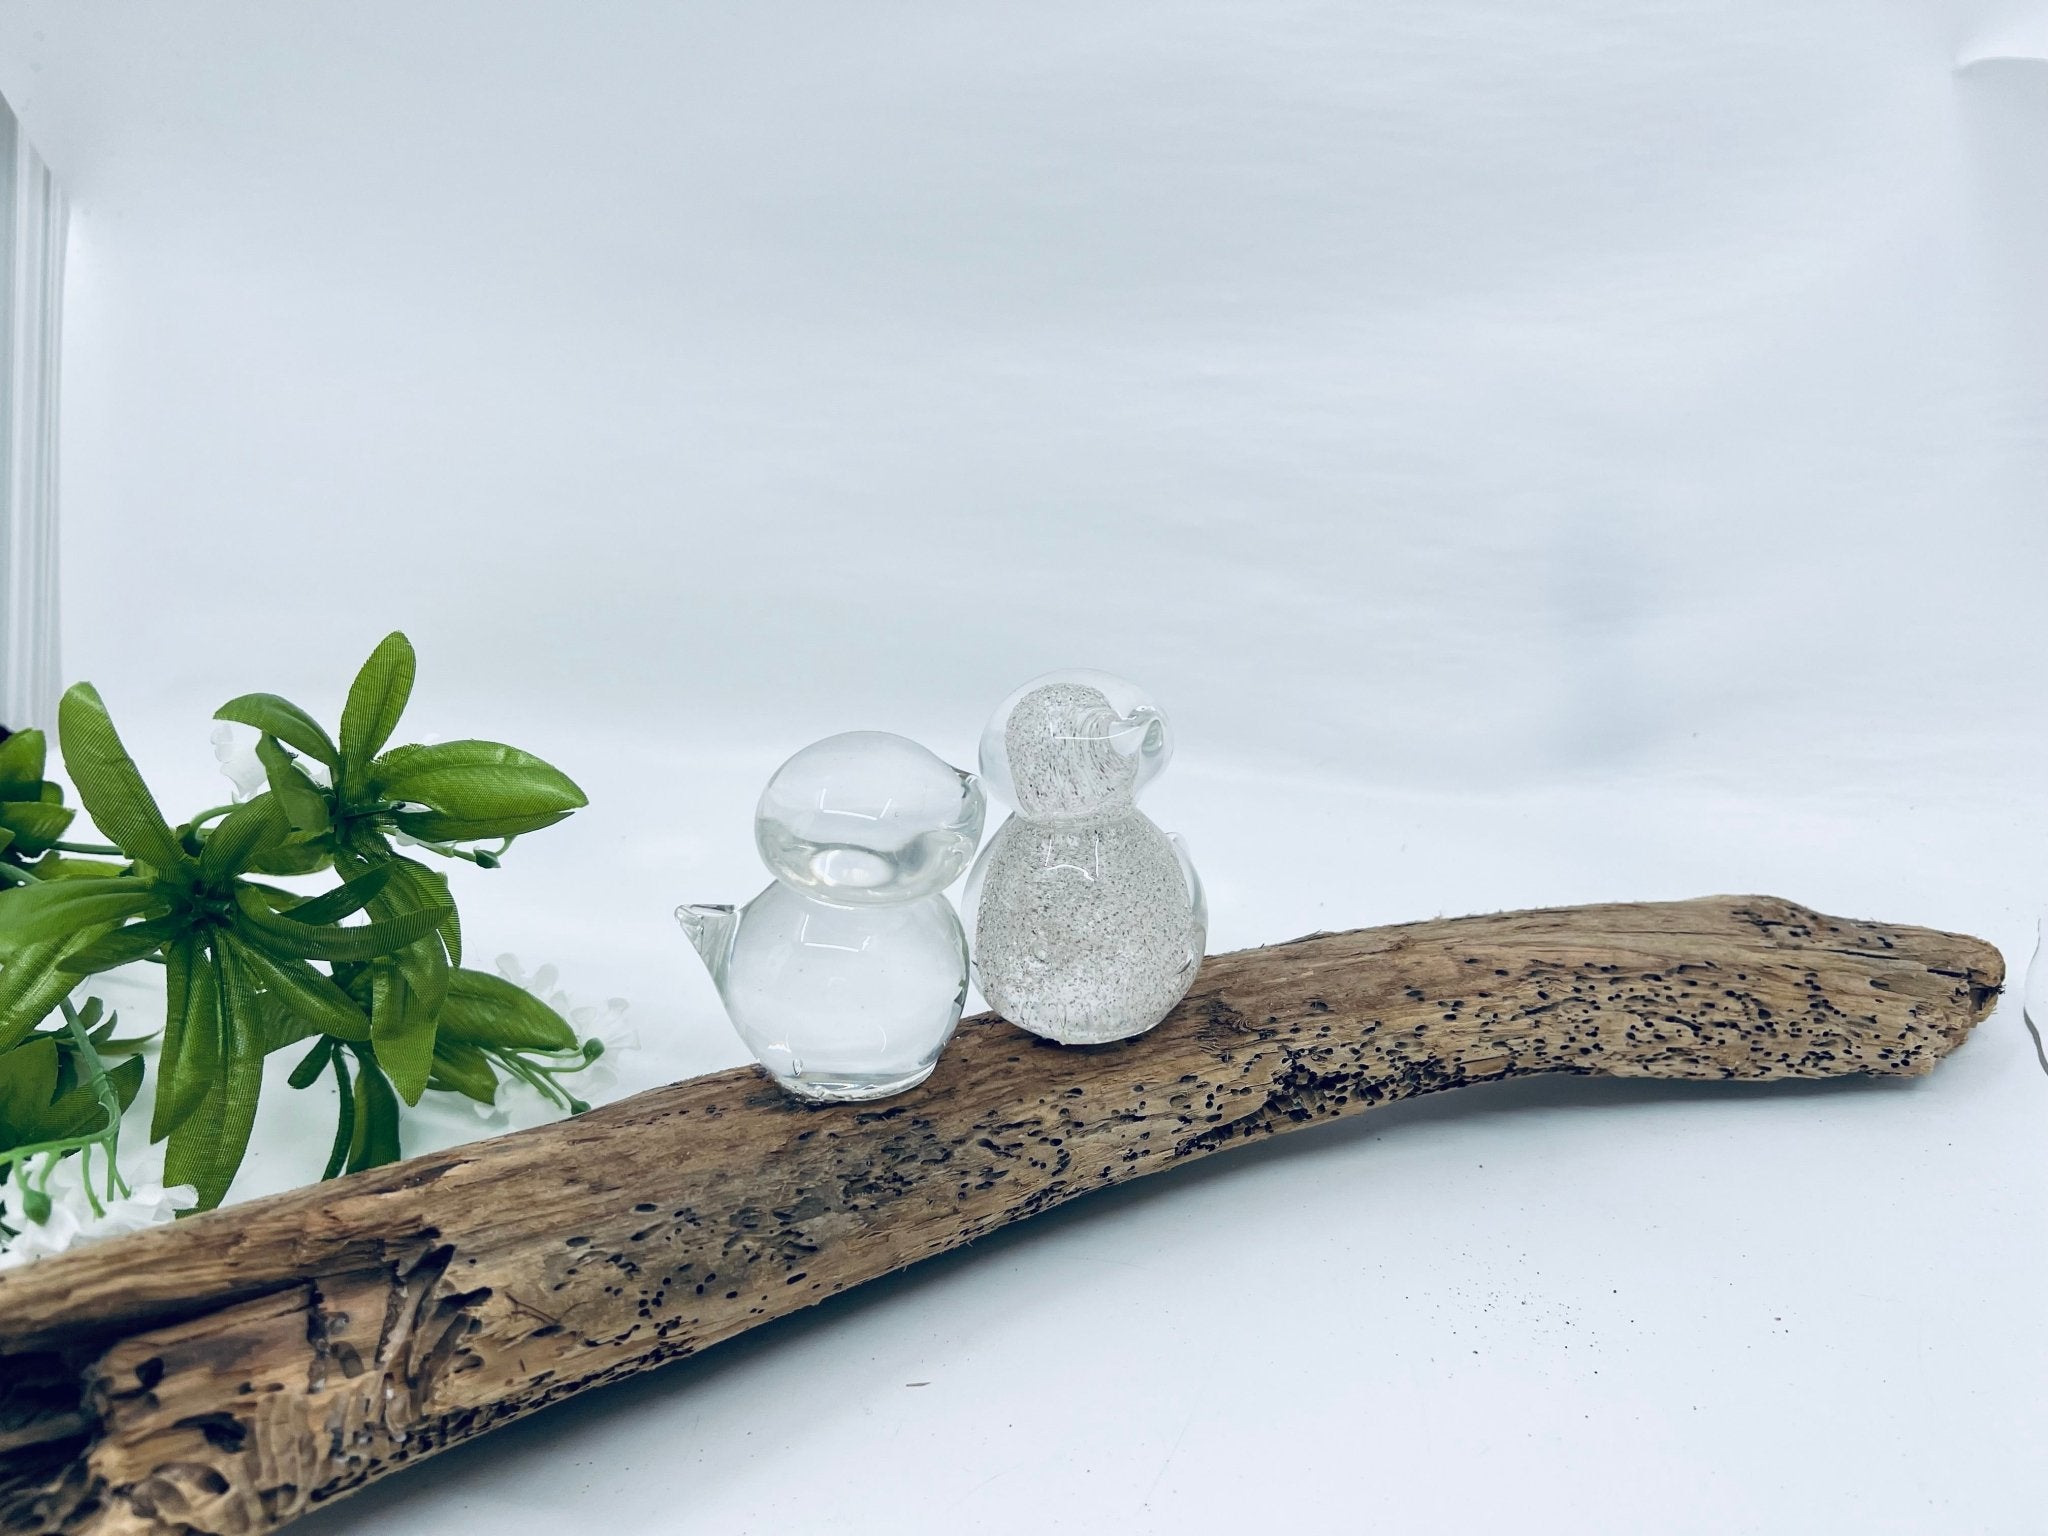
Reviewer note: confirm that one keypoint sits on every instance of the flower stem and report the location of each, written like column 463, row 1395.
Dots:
column 203, row 817
column 478, row 856
column 537, row 1078
column 107, row 1138
column 19, row 1156
column 110, row 1101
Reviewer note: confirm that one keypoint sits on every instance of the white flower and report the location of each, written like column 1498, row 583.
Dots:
column 244, row 769
column 145, row 1205
column 609, row 1027
column 606, row 1024
column 71, row 1221
column 541, row 983
column 239, row 762
column 35, row 1239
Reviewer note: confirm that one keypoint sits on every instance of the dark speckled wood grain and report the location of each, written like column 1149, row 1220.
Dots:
column 227, row 1374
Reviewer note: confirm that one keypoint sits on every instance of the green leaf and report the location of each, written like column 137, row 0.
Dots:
column 345, row 1117
column 376, row 1132
column 52, row 867
column 104, row 1037
column 483, row 1009
column 345, row 900
column 313, row 1064
column 24, row 758
column 305, row 803
column 124, row 946
column 28, row 1082
column 479, row 784
column 402, row 1027
column 78, row 1110
column 207, row 1149
column 354, row 979
column 425, row 965
column 30, row 986
column 34, row 823
column 464, row 1069
column 376, row 699
column 65, row 909
column 415, row 885
column 188, row 1067
column 41, row 1102
column 312, row 941
column 252, row 828
column 6, row 839
column 311, row 1002
column 127, row 1080
column 285, row 720
column 433, row 827
column 110, row 785
column 292, row 857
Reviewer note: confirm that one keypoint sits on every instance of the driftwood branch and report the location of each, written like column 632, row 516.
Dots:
column 228, row 1373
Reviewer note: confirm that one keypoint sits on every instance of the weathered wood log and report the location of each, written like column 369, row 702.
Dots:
column 230, row 1372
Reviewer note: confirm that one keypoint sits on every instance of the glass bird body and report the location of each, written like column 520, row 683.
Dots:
column 1089, row 921
column 846, row 976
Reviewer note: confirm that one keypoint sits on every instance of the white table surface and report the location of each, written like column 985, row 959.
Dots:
column 1538, row 455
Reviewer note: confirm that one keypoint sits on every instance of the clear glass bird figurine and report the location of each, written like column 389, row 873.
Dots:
column 845, row 977
column 1089, row 922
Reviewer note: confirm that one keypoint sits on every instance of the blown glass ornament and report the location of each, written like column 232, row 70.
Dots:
column 845, row 977
column 1089, row 921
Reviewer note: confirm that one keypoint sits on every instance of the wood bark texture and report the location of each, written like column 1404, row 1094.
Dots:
column 230, row 1372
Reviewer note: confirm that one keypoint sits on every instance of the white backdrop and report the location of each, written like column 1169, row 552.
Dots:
column 1538, row 452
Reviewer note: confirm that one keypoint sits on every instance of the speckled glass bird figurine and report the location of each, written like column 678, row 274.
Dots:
column 1089, row 922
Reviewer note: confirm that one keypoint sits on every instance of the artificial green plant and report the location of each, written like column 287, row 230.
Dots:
column 368, row 969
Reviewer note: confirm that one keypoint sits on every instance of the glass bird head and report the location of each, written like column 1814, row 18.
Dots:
column 1074, row 743
column 867, row 818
